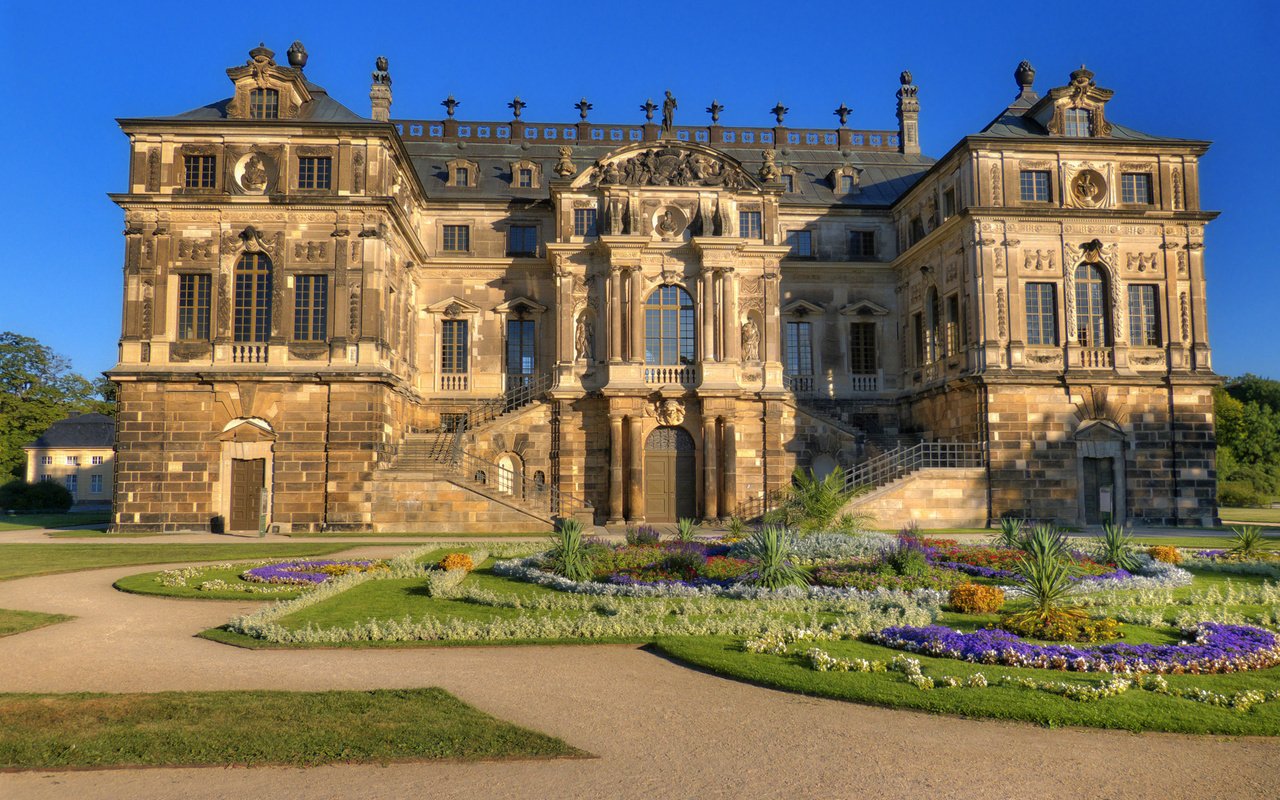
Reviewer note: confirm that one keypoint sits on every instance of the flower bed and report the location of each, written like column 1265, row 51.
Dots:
column 308, row 573
column 1213, row 648
column 869, row 576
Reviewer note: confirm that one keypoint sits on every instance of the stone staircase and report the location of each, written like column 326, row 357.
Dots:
column 425, row 451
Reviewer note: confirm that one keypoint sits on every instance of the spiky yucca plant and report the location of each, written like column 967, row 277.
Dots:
column 569, row 556
column 1044, row 577
column 1010, row 533
column 771, row 549
column 736, row 527
column 1247, row 542
column 1115, row 546
column 1045, row 542
column 686, row 529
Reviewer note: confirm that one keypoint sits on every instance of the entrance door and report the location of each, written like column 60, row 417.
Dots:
column 246, row 492
column 1099, row 490
column 670, row 476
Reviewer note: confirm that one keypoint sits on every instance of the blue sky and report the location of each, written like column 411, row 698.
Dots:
column 1183, row 69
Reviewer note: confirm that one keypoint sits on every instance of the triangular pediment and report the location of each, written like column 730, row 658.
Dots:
column 864, row 308
column 668, row 163
column 453, row 307
column 1098, row 430
column 518, row 305
column 801, row 308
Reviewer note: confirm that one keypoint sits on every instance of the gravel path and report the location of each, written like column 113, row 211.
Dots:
column 659, row 729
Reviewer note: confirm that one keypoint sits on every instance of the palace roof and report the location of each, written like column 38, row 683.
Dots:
column 82, row 430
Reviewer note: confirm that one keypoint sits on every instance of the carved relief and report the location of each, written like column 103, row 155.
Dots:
column 353, row 312
column 670, row 166
column 356, row 256
column 311, row 252
column 357, row 172
column 1001, row 318
column 153, row 170
column 1176, row 179
column 1044, row 358
column 1088, row 188
column 997, row 196
column 1037, row 260
column 1182, row 263
column 1148, row 359
column 1185, row 314
column 195, row 249
column 750, row 340
column 1141, row 262
column 255, row 173
column 669, row 411
column 147, row 293
column 189, row 351
column 999, row 256
column 224, row 306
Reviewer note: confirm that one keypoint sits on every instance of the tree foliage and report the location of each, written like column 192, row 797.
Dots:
column 37, row 388
column 1247, row 415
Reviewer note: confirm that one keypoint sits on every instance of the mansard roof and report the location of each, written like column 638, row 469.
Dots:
column 81, row 430
column 320, row 109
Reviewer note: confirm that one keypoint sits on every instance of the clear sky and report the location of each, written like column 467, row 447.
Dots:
column 1186, row 69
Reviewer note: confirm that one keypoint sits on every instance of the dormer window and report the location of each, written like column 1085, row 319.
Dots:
column 846, row 184
column 788, row 182
column 461, row 176
column 844, row 180
column 264, row 104
column 461, row 173
column 525, row 175
column 1077, row 122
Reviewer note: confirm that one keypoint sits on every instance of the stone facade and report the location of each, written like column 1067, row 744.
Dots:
column 347, row 316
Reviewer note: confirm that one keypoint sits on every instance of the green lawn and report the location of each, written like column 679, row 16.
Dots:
column 12, row 622
column 16, row 522
column 24, row 560
column 94, row 533
column 416, row 535
column 1256, row 516
column 149, row 583
column 50, row 731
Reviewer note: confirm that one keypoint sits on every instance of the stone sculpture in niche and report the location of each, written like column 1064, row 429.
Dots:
column 750, row 341
column 584, row 336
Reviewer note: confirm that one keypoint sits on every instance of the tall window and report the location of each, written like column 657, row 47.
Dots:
column 95, row 484
column 951, row 334
column 314, row 172
column 311, row 308
column 264, row 104
column 801, row 243
column 749, row 225
column 461, row 176
column 846, row 184
column 584, row 222
column 862, row 348
column 71, row 481
column 1092, row 329
column 948, row 204
column 1033, row 186
column 253, row 298
column 46, row 460
column 917, row 336
column 668, row 327
column 457, row 238
column 199, row 171
column 1076, row 122
column 522, row 240
column 1144, row 316
column 1135, row 188
column 935, row 344
column 525, row 178
column 520, row 344
column 193, row 307
column 915, row 230
column 1042, row 314
column 799, row 349
column 862, row 244
column 453, row 346
column 95, row 460
column 73, row 461
column 788, row 182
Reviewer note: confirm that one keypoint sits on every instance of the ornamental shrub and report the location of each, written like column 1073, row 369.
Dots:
column 460, row 561
column 907, row 560
column 1165, row 553
column 1247, row 543
column 643, row 535
column 1062, row 627
column 975, row 598
column 42, row 496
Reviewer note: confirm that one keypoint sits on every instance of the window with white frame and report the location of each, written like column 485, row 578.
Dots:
column 95, row 484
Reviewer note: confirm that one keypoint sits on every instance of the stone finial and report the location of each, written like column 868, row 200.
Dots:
column 648, row 108
column 297, row 55
column 1082, row 76
column 564, row 166
column 779, row 112
column 714, row 110
column 583, row 107
column 450, row 105
column 262, row 53
column 908, row 114
column 517, row 105
column 380, row 91
column 1025, row 75
column 843, row 113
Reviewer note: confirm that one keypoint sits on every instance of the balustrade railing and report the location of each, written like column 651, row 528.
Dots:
column 523, row 490
column 249, row 353
column 1096, row 358
column 865, row 383
column 664, row 376
column 798, row 384
column 455, row 383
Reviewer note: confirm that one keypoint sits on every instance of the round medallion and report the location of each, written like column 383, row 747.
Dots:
column 253, row 172
column 1089, row 187
column 669, row 222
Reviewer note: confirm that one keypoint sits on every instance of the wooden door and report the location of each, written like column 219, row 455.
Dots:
column 1099, row 474
column 670, row 476
column 246, row 492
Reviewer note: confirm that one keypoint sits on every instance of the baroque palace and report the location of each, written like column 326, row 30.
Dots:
column 339, row 322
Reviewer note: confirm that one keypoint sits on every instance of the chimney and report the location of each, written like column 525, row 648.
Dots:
column 380, row 91
column 908, row 116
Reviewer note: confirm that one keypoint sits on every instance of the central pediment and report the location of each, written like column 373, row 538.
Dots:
column 668, row 163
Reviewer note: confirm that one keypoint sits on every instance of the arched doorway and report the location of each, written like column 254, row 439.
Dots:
column 509, row 470
column 670, row 475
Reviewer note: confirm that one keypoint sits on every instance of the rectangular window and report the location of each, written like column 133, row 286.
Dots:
column 73, row 461
column 801, row 243
column 917, row 330
column 1077, row 122
column 71, row 482
column 96, row 460
column 522, row 240
column 314, row 172
column 525, row 180
column 789, row 182
column 846, row 184
column 862, row 348
column 1033, row 185
column 453, row 346
column 749, row 225
column 520, row 347
column 457, row 238
column 948, row 204
column 862, row 245
column 461, row 176
column 1042, row 314
column 95, row 484
column 264, row 104
column 584, row 222
column 46, row 477
column 951, row 333
column 1135, row 188
column 46, row 460
column 310, row 308
column 799, row 349
column 1144, row 316
column 199, row 171
column 193, row 307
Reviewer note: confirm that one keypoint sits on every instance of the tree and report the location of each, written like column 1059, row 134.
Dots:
column 1250, row 388
column 37, row 388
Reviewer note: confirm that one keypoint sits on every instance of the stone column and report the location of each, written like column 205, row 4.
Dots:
column 729, row 309
column 710, row 455
column 635, row 487
column 615, row 469
column 566, row 323
column 615, row 315
column 772, row 319
column 637, row 317
column 729, row 502
column 706, row 307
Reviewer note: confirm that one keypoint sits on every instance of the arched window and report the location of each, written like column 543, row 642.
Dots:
column 1092, row 328
column 253, row 298
column 264, row 104
column 668, row 327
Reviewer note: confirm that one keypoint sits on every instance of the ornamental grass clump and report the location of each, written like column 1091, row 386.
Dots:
column 771, row 549
column 686, row 529
column 1116, row 547
column 569, row 556
column 975, row 598
column 1165, row 553
column 1247, row 543
column 1010, row 533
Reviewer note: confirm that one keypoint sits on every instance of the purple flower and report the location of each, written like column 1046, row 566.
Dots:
column 302, row 573
column 1210, row 553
